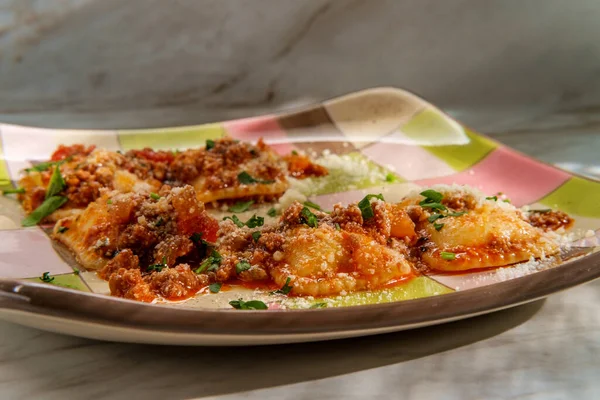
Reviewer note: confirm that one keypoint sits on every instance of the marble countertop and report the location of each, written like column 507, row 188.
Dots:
column 545, row 350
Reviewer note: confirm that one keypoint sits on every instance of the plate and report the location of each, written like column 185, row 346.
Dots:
column 382, row 140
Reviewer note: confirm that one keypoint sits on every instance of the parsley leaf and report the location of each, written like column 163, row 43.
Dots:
column 210, row 144
column 154, row 196
column 46, row 277
column 49, row 205
column 41, row 167
column 312, row 205
column 319, row 305
column 495, row 198
column 248, row 305
column 337, row 227
column 214, row 287
column 18, row 190
column 235, row 220
column 285, row 289
column 211, row 263
column 432, row 196
column 57, row 183
column 62, row 229
column 437, row 226
column 433, row 206
column 272, row 212
column 246, row 179
column 76, row 271
column 434, row 217
column 256, row 235
column 158, row 267
column 365, row 205
column 255, row 221
column 294, row 153
column 242, row 266
column 446, row 255
column 241, row 206
column 308, row 218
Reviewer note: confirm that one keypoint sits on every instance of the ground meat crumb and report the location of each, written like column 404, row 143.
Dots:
column 129, row 284
column 549, row 220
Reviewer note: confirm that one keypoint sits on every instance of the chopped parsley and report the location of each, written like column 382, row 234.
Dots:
column 18, row 190
column 158, row 267
column 448, row 256
column 456, row 214
column 434, row 217
column 160, row 222
column 242, row 266
column 308, row 218
column 506, row 200
column 248, row 305
column 294, row 153
column 235, row 220
column 241, row 206
column 62, row 229
column 214, row 287
column 495, row 198
column 211, row 263
column 437, row 226
column 256, row 236
column 154, row 196
column 246, row 179
column 46, row 277
column 312, row 205
column 43, row 166
column 319, row 305
column 285, row 289
column 337, row 227
column 365, row 205
column 109, row 201
column 255, row 221
column 49, row 205
column 57, row 183
column 76, row 271
column 272, row 212
column 210, row 144
column 432, row 200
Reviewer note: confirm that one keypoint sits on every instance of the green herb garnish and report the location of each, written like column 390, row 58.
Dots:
column 437, row 226
column 210, row 144
column 308, row 218
column 49, row 205
column 242, row 266
column 154, row 196
column 109, row 201
column 432, row 196
column 337, row 227
column 46, row 277
column 18, row 190
column 390, row 177
column 294, row 153
column 365, row 205
column 312, row 205
column 285, row 289
column 160, row 222
column 434, row 217
column 272, row 212
column 456, row 214
column 446, row 255
column 41, row 167
column 214, row 287
column 255, row 221
column 241, row 206
column 158, row 267
column 62, row 229
column 76, row 271
column 495, row 198
column 256, row 236
column 211, row 263
column 57, row 183
column 319, row 305
column 248, row 305
column 246, row 179
column 235, row 220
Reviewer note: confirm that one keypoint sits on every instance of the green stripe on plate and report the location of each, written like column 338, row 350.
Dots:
column 71, row 281
column 446, row 139
column 416, row 288
column 170, row 138
column 577, row 196
column 5, row 181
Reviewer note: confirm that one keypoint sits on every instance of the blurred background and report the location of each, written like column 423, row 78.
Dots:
column 505, row 67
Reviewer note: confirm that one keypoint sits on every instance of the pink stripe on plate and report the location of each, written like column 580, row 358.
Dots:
column 522, row 179
column 27, row 253
column 267, row 127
